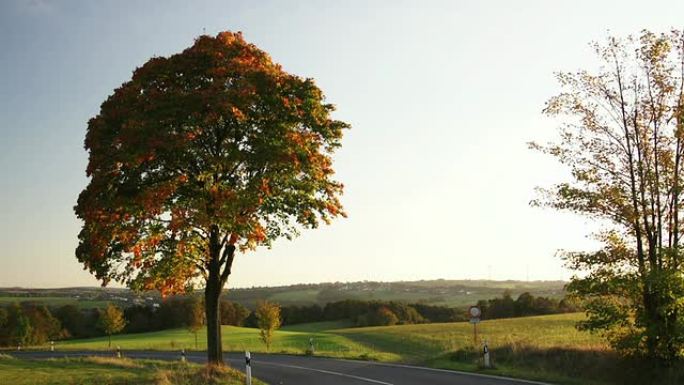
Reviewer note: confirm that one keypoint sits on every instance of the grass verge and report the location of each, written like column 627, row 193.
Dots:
column 113, row 371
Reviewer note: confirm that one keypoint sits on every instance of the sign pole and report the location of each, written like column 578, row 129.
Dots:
column 475, row 334
column 475, row 314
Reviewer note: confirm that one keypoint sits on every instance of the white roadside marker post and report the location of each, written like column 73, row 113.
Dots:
column 248, row 368
column 485, row 350
column 118, row 351
column 52, row 346
column 182, row 355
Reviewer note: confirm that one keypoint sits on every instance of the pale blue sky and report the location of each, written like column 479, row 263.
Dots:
column 442, row 97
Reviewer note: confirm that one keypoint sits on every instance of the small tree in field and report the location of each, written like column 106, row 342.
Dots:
column 206, row 152
column 111, row 321
column 268, row 320
column 623, row 141
column 195, row 315
column 22, row 330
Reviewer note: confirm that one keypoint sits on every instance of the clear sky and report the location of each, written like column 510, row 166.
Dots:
column 442, row 97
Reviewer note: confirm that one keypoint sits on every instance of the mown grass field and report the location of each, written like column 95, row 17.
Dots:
column 544, row 348
column 553, row 342
column 407, row 343
column 425, row 341
column 238, row 339
column 112, row 371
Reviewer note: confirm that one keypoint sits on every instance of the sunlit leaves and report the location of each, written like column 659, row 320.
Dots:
column 621, row 139
column 216, row 137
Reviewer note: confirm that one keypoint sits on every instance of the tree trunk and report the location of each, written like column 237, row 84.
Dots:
column 212, row 292
column 110, row 340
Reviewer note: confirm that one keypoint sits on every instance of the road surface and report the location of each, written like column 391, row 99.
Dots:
column 276, row 369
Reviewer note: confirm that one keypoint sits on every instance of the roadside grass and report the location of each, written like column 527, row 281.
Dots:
column 423, row 342
column 567, row 366
column 113, row 371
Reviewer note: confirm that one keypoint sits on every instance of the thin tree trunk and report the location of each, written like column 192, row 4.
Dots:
column 211, row 297
column 212, row 292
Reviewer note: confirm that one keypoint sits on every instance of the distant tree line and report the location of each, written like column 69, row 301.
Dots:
column 382, row 313
column 525, row 305
column 177, row 312
column 29, row 323
column 371, row 313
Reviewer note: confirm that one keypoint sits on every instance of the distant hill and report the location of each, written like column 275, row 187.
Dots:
column 436, row 292
column 456, row 293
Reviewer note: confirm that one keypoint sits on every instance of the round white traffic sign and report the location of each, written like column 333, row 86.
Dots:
column 475, row 311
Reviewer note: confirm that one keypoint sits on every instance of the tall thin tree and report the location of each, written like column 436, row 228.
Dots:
column 623, row 141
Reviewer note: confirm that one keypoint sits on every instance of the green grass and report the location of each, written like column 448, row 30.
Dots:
column 405, row 343
column 295, row 296
column 319, row 326
column 426, row 341
column 517, row 347
column 236, row 339
column 112, row 371
column 545, row 348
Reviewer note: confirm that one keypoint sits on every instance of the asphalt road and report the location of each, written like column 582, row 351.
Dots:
column 278, row 369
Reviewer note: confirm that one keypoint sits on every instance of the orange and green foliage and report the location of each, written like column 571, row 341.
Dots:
column 111, row 321
column 207, row 151
column 268, row 320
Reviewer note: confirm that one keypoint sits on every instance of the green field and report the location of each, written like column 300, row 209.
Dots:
column 553, row 341
column 238, row 339
column 53, row 301
column 112, row 371
column 455, row 293
column 426, row 341
column 408, row 343
column 545, row 348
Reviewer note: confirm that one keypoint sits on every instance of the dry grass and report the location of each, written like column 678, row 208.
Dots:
column 126, row 363
column 566, row 365
column 114, row 371
column 205, row 375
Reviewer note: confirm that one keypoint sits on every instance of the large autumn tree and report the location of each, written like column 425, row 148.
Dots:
column 623, row 141
column 200, row 154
